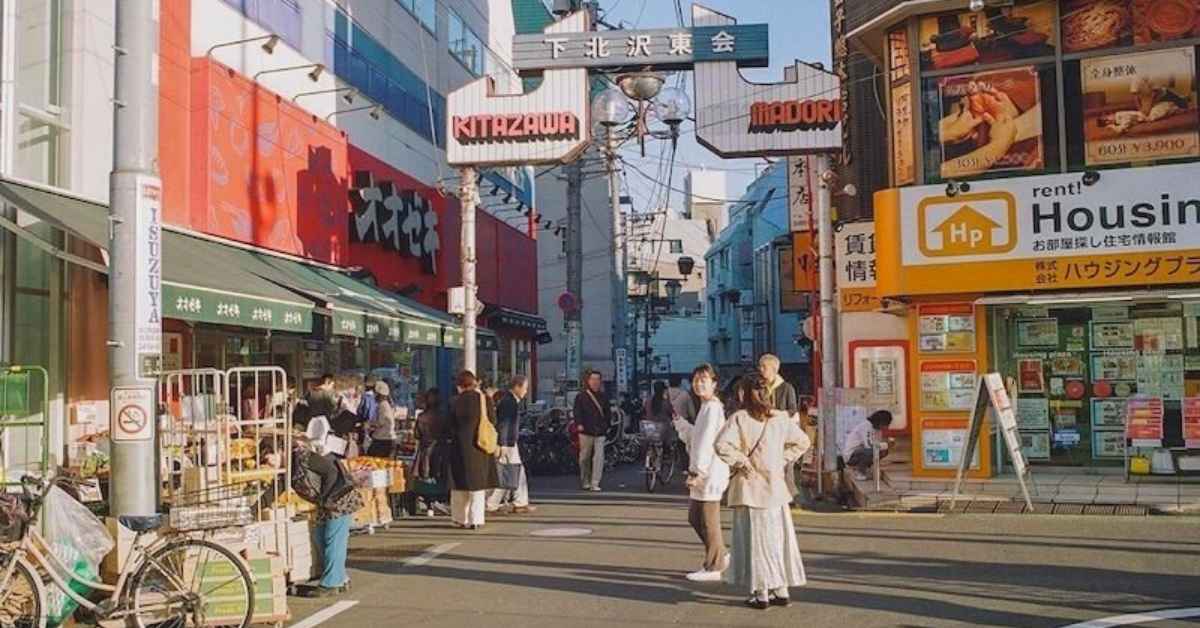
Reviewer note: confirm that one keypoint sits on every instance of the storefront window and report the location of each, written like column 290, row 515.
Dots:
column 1076, row 367
column 37, row 340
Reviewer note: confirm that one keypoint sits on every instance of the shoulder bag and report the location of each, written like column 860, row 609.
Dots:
column 741, row 471
column 486, row 438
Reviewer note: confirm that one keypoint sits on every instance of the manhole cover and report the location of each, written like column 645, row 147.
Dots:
column 561, row 532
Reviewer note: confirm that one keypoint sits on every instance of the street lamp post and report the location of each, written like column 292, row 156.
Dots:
column 612, row 109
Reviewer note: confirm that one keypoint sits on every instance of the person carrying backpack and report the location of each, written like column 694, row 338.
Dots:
column 325, row 483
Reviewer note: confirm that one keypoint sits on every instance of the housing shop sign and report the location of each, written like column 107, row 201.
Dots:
column 1130, row 227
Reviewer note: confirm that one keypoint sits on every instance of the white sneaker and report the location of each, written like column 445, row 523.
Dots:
column 726, row 561
column 861, row 477
column 594, row 489
column 704, row 576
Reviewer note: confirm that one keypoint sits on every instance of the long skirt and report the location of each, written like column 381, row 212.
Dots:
column 765, row 554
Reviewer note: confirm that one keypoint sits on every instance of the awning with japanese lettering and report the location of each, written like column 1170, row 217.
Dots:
column 206, row 282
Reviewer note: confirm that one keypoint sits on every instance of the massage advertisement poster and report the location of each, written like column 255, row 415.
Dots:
column 1140, row 107
column 990, row 122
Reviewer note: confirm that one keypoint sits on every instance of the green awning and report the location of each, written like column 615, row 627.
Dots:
column 81, row 217
column 359, row 309
column 202, row 280
column 212, row 282
column 452, row 337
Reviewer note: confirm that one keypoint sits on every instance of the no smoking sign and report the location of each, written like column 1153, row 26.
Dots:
column 132, row 414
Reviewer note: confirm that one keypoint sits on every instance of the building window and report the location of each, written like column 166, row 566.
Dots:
column 676, row 247
column 40, row 140
column 426, row 13
column 465, row 45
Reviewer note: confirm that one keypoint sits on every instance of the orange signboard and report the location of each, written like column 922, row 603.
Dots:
column 1129, row 227
column 804, row 262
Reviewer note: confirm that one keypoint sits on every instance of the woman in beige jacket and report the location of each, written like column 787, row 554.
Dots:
column 759, row 443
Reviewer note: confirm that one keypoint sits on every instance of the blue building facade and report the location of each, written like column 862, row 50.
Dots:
column 751, row 307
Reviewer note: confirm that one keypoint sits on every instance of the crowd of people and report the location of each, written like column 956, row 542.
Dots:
column 742, row 446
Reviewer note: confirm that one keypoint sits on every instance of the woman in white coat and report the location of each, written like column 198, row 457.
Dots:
column 708, row 475
column 758, row 443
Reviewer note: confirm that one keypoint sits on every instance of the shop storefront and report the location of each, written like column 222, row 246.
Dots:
column 1044, row 222
column 516, row 348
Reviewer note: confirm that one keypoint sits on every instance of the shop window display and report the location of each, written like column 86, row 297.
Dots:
column 1077, row 368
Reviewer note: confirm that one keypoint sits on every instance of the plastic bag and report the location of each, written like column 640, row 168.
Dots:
column 80, row 541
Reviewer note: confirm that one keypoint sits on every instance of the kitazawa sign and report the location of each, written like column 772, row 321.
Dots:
column 1130, row 227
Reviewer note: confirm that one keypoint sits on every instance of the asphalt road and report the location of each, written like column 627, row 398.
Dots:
column 864, row 569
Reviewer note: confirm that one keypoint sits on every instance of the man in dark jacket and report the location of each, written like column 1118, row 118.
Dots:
column 783, row 395
column 593, row 415
column 508, row 430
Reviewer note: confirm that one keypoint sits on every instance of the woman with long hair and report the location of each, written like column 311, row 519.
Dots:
column 472, row 470
column 759, row 443
column 708, row 475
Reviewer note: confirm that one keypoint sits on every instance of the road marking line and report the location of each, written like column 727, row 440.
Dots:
column 429, row 555
column 1139, row 618
column 326, row 613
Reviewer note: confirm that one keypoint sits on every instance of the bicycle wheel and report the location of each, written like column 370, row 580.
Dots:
column 669, row 464
column 652, row 463
column 21, row 598
column 190, row 584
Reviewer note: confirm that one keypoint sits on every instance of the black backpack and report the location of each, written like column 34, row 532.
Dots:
column 309, row 470
column 306, row 481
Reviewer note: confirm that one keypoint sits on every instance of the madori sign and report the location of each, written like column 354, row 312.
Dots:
column 736, row 118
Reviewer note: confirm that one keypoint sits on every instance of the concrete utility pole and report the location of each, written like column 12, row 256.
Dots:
column 469, row 199
column 574, row 317
column 135, row 270
column 829, row 349
column 620, row 288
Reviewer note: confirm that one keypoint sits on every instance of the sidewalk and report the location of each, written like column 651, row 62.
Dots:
column 1059, row 490
column 1050, row 486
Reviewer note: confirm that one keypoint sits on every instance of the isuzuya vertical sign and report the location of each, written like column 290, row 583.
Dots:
column 734, row 118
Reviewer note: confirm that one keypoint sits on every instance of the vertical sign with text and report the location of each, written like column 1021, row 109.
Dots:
column 801, row 192
column 148, row 278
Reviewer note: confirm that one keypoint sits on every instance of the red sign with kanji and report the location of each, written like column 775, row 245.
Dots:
column 1191, row 421
column 1144, row 418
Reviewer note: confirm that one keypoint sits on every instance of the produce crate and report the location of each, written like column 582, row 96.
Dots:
column 270, row 593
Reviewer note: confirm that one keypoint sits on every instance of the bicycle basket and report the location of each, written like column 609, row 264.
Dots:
column 652, row 430
column 222, row 506
column 14, row 518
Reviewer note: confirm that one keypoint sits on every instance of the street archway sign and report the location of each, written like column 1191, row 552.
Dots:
column 734, row 118
column 549, row 125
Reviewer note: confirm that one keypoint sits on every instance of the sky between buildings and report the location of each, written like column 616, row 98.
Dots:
column 799, row 29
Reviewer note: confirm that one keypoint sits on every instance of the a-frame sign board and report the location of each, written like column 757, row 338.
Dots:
column 992, row 394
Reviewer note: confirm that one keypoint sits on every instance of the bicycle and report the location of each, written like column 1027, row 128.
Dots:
column 661, row 457
column 173, row 581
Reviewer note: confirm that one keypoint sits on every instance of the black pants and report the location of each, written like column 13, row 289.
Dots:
column 862, row 460
column 382, row 448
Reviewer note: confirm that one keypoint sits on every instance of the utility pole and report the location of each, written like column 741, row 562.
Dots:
column 829, row 356
column 574, row 316
column 620, row 287
column 469, row 199
column 135, row 269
